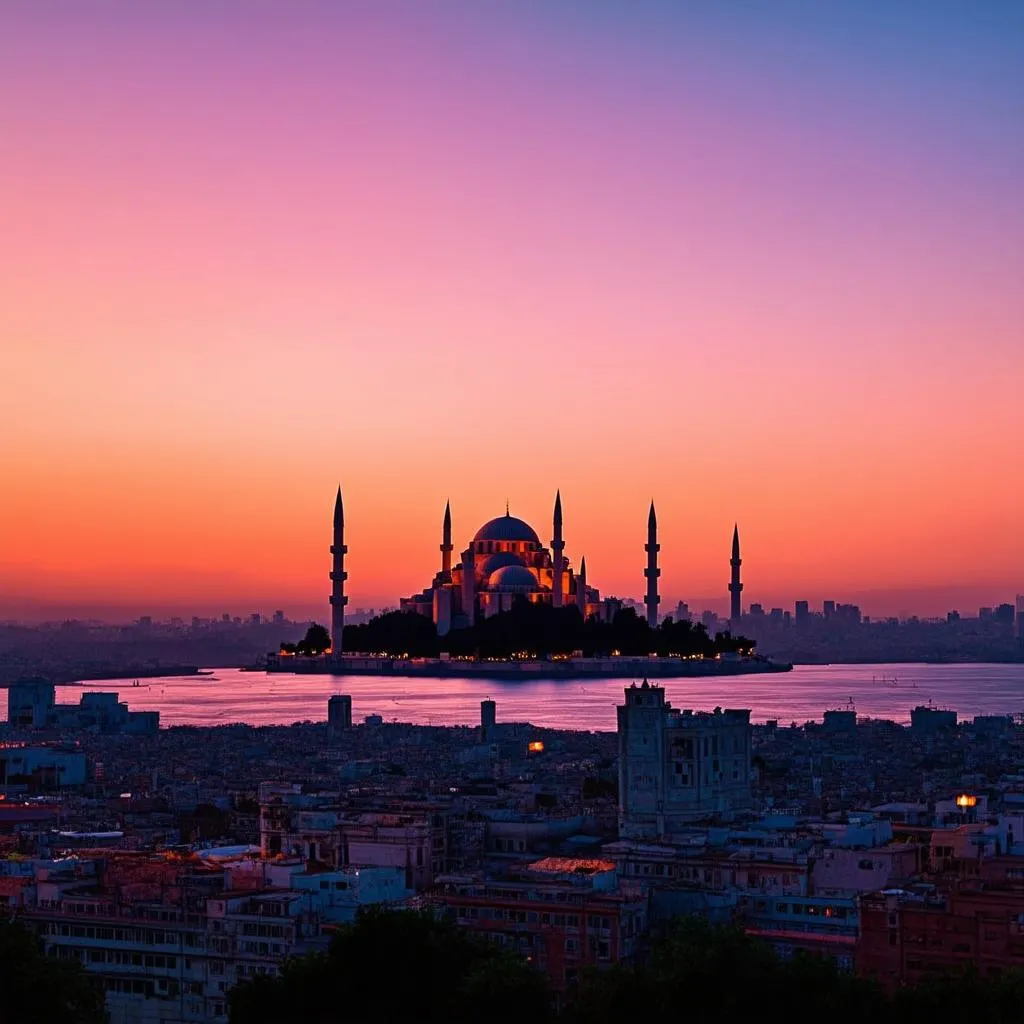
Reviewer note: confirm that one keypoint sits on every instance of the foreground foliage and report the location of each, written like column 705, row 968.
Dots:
column 35, row 987
column 392, row 967
column 538, row 630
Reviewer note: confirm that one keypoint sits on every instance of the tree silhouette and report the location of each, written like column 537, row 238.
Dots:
column 537, row 629
column 391, row 967
column 316, row 641
column 35, row 987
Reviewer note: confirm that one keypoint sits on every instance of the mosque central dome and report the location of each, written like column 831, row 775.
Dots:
column 507, row 527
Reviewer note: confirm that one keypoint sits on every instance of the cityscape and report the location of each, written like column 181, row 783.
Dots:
column 513, row 512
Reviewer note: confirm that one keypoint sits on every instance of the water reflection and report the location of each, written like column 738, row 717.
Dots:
column 880, row 691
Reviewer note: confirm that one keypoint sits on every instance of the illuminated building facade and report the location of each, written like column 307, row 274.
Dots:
column 505, row 561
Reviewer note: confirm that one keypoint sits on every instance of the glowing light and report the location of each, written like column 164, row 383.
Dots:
column 966, row 800
column 535, row 747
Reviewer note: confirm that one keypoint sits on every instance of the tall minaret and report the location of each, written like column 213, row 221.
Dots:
column 338, row 577
column 469, row 584
column 581, row 588
column 735, row 587
column 652, row 572
column 446, row 541
column 557, row 547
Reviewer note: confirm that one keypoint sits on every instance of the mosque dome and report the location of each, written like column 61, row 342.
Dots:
column 513, row 577
column 507, row 527
column 492, row 563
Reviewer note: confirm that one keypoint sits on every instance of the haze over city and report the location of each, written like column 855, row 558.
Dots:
column 762, row 269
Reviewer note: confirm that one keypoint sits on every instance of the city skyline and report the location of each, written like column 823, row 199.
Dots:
column 934, row 602
column 762, row 270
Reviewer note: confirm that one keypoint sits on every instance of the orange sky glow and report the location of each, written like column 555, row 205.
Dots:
column 479, row 259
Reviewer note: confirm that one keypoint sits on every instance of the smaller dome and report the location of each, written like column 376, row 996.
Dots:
column 492, row 563
column 513, row 577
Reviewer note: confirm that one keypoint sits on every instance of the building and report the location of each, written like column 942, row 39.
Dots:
column 677, row 767
column 339, row 714
column 168, row 937
column 29, row 704
column 32, row 705
column 38, row 768
column 421, row 839
column 560, row 914
column 929, row 721
column 908, row 935
column 504, row 562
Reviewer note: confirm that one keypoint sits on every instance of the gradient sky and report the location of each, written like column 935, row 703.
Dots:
column 763, row 261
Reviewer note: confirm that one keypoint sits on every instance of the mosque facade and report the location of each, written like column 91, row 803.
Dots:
column 504, row 562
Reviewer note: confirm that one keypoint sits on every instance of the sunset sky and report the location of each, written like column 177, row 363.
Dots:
column 760, row 261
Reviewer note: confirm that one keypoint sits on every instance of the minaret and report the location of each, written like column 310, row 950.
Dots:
column 446, row 542
column 735, row 587
column 557, row 547
column 581, row 588
column 338, row 577
column 652, row 572
column 469, row 584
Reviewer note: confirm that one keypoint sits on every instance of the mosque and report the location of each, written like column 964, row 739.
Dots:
column 504, row 562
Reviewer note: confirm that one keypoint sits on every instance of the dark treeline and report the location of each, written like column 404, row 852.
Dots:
column 392, row 967
column 539, row 630
column 41, row 989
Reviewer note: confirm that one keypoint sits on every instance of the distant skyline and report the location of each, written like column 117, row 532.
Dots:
column 762, row 262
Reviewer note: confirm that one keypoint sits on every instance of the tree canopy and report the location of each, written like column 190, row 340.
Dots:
column 538, row 630
column 35, row 987
column 391, row 967
column 316, row 641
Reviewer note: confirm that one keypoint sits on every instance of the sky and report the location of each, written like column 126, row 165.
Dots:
column 762, row 262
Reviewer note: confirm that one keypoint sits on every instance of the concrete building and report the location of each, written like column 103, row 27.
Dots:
column 339, row 714
column 29, row 704
column 40, row 768
column 909, row 935
column 32, row 706
column 421, row 839
column 560, row 914
column 168, row 939
column 677, row 767
column 929, row 721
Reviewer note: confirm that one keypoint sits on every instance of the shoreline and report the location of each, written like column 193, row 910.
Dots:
column 570, row 669
column 107, row 675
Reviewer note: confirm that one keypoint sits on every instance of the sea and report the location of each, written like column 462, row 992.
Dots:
column 226, row 696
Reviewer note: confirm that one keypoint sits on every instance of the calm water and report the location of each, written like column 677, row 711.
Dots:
column 878, row 691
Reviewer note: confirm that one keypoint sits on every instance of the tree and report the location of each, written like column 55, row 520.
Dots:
column 35, row 987
column 390, row 967
column 316, row 641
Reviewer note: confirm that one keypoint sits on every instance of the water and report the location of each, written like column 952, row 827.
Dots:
column 878, row 691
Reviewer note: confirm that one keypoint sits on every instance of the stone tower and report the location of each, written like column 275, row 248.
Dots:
column 581, row 588
column 338, row 577
column 557, row 547
column 652, row 572
column 735, row 586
